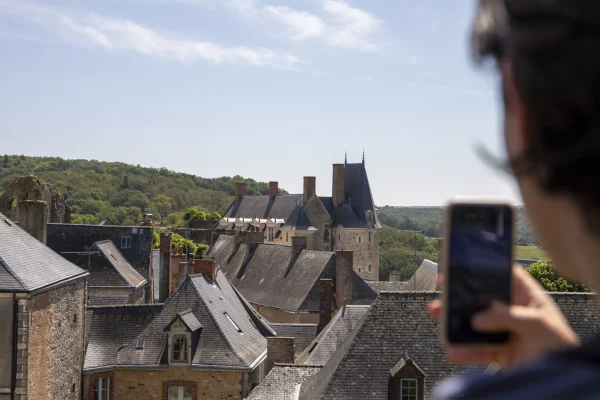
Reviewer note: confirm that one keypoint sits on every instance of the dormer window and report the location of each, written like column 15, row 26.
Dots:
column 180, row 331
column 406, row 380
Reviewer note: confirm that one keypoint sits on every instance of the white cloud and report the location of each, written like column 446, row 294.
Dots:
column 301, row 24
column 352, row 27
column 114, row 34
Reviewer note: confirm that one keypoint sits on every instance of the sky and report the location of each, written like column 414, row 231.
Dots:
column 274, row 90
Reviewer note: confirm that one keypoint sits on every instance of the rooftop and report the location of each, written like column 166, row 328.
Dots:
column 282, row 382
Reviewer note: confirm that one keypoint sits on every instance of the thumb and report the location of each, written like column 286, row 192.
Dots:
column 502, row 317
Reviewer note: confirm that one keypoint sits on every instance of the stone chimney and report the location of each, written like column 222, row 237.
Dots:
column 183, row 271
column 164, row 266
column 309, row 188
column 273, row 189
column 337, row 191
column 240, row 190
column 33, row 217
column 253, row 239
column 326, row 286
column 299, row 243
column 344, row 274
column 207, row 267
column 395, row 276
column 280, row 349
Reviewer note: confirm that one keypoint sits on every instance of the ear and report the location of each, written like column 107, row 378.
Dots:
column 518, row 129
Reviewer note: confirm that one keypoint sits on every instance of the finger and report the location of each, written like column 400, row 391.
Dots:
column 468, row 356
column 440, row 280
column 434, row 309
column 523, row 281
column 502, row 317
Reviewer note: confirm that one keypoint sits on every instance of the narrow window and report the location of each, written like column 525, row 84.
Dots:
column 287, row 238
column 408, row 389
column 360, row 239
column 339, row 237
column 126, row 242
column 74, row 318
column 369, row 267
column 102, row 389
column 180, row 348
column 180, row 393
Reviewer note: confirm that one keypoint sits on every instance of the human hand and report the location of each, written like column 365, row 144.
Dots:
column 537, row 325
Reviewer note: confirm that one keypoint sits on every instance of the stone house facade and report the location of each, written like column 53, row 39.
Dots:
column 42, row 306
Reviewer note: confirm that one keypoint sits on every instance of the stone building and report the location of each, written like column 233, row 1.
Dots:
column 42, row 309
column 112, row 279
column 345, row 221
column 283, row 283
column 203, row 342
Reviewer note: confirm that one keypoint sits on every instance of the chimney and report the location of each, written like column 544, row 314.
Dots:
column 253, row 239
column 207, row 267
column 326, row 298
column 309, row 188
column 273, row 189
column 280, row 349
column 164, row 266
column 337, row 191
column 240, row 190
column 344, row 275
column 299, row 243
column 183, row 271
column 33, row 217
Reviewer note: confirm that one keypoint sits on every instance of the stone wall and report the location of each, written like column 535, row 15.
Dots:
column 56, row 342
column 6, row 341
column 279, row 316
column 73, row 238
column 152, row 384
column 366, row 252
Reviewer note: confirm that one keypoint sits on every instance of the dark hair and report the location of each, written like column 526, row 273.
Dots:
column 554, row 49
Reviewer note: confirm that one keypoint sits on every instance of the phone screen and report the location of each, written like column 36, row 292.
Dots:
column 479, row 268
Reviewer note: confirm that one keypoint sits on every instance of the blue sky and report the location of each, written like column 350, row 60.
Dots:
column 268, row 89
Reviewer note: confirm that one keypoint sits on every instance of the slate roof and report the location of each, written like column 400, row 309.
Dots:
column 108, row 267
column 424, row 279
column 387, row 286
column 337, row 331
column 107, row 300
column 351, row 214
column 268, row 276
column 282, row 381
column 115, row 331
column 303, row 334
column 26, row 264
column 397, row 324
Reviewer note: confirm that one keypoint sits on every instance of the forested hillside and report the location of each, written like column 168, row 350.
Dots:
column 97, row 190
column 429, row 221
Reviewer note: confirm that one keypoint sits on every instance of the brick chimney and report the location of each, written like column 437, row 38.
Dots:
column 337, row 191
column 344, row 274
column 326, row 286
column 280, row 349
column 33, row 217
column 273, row 189
column 309, row 188
column 299, row 243
column 207, row 267
column 240, row 190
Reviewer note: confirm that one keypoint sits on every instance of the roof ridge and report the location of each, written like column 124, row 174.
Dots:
column 298, row 365
column 127, row 265
column 127, row 306
column 11, row 272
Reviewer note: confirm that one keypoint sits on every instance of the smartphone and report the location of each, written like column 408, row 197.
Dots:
column 477, row 260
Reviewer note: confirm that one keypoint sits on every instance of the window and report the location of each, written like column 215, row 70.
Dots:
column 180, row 348
column 237, row 328
column 74, row 318
column 102, row 389
column 369, row 267
column 126, row 242
column 339, row 237
column 180, row 393
column 408, row 389
column 287, row 238
column 360, row 239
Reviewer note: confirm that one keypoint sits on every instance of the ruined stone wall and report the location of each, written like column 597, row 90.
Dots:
column 56, row 343
column 279, row 316
column 366, row 252
column 152, row 384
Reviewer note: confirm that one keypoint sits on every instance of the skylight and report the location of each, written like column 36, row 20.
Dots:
column 237, row 328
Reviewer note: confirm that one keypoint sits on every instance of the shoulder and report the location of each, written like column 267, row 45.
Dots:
column 548, row 378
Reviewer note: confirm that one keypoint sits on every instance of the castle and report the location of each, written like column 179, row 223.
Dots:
column 347, row 220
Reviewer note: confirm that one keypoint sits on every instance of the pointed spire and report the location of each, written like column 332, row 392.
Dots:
column 346, row 158
column 363, row 156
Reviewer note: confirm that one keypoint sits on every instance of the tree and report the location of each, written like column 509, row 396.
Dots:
column 214, row 216
column 5, row 163
column 179, row 244
column 193, row 213
column 200, row 249
column 130, row 198
column 545, row 274
column 173, row 219
column 155, row 239
column 163, row 204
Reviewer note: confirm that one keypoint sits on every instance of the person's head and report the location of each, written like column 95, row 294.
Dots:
column 549, row 58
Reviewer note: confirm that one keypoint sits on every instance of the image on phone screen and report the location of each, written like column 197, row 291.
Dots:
column 479, row 268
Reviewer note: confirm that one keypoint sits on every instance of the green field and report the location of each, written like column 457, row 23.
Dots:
column 530, row 253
